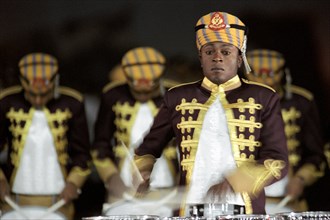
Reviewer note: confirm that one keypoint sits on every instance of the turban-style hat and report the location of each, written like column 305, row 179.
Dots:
column 268, row 67
column 223, row 27
column 143, row 64
column 263, row 61
column 38, row 71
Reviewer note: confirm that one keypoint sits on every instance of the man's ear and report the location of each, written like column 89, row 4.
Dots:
column 239, row 61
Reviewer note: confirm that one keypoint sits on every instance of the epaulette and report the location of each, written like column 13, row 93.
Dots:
column 303, row 92
column 111, row 85
column 169, row 83
column 71, row 92
column 10, row 90
column 259, row 84
column 182, row 84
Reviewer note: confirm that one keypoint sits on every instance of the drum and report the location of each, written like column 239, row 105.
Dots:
column 246, row 217
column 123, row 217
column 160, row 203
column 185, row 218
column 138, row 208
column 32, row 212
column 211, row 210
column 303, row 215
column 272, row 208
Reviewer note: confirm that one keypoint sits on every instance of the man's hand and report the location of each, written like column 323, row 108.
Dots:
column 142, row 187
column 217, row 193
column 70, row 192
column 4, row 189
column 295, row 187
column 115, row 186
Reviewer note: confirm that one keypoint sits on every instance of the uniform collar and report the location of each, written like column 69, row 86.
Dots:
column 233, row 83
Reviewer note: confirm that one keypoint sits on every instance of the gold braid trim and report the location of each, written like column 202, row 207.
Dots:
column 71, row 92
column 248, row 203
column 19, row 133
column 145, row 162
column 302, row 91
column 9, row 91
column 105, row 167
column 252, row 178
column 111, row 85
column 124, row 121
column 78, row 176
column 309, row 173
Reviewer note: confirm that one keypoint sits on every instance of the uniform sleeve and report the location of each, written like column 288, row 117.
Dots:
column 312, row 162
column 272, row 159
column 102, row 149
column 79, row 147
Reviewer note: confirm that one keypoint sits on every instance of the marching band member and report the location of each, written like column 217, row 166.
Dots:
column 302, row 129
column 230, row 131
column 45, row 129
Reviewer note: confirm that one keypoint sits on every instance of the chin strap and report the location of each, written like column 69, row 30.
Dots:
column 245, row 61
column 288, row 79
column 56, row 86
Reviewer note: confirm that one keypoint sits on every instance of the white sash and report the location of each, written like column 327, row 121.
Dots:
column 214, row 158
column 39, row 172
column 161, row 175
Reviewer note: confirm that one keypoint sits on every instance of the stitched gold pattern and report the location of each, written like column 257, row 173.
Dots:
column 290, row 118
column 272, row 168
column 57, row 122
column 125, row 116
column 20, row 123
column 190, row 106
column 246, row 121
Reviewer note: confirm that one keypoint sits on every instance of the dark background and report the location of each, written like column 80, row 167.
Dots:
column 89, row 38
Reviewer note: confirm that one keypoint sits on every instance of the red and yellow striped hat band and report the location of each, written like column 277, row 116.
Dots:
column 38, row 69
column 264, row 61
column 143, row 63
column 220, row 26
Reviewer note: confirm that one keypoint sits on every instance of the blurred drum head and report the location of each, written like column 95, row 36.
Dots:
column 245, row 217
column 33, row 212
column 184, row 218
column 271, row 208
column 138, row 209
column 123, row 217
column 303, row 215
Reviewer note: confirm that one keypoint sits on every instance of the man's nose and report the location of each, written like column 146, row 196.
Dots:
column 38, row 99
column 217, row 56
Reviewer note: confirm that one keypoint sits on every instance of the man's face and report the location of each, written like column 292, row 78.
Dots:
column 267, row 77
column 144, row 91
column 38, row 96
column 220, row 61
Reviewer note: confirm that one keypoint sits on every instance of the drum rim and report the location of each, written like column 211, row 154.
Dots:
column 243, row 216
column 108, row 217
column 33, row 207
column 303, row 213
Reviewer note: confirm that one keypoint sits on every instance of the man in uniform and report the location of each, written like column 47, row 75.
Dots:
column 302, row 129
column 45, row 130
column 126, row 113
column 229, row 131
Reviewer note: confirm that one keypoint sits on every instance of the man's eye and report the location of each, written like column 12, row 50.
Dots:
column 225, row 52
column 209, row 52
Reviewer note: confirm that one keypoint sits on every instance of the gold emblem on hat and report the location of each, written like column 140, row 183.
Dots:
column 217, row 22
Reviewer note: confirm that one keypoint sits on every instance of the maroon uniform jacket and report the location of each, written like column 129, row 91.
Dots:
column 304, row 138
column 113, row 128
column 68, row 125
column 255, row 126
column 305, row 146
